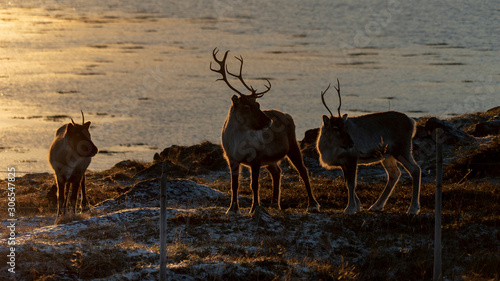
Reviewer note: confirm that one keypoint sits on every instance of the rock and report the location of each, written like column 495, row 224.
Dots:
column 154, row 171
column 129, row 165
column 451, row 135
column 118, row 177
column 262, row 218
column 310, row 137
column 179, row 192
column 308, row 146
column 421, row 132
column 479, row 163
column 197, row 159
column 494, row 110
column 487, row 128
column 157, row 158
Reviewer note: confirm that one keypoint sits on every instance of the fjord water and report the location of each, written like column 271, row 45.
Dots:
column 140, row 69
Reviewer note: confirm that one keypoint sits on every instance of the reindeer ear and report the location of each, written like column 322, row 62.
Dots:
column 87, row 125
column 69, row 127
column 326, row 120
column 235, row 100
column 344, row 117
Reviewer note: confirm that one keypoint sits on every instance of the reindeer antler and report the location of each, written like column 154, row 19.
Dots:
column 340, row 100
column 323, row 99
column 251, row 89
column 223, row 71
column 83, row 118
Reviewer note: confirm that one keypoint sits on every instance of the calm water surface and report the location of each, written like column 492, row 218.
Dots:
column 140, row 69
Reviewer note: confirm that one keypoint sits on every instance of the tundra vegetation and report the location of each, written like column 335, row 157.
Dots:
column 119, row 238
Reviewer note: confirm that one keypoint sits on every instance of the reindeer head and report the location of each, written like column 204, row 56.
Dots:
column 335, row 127
column 79, row 138
column 245, row 108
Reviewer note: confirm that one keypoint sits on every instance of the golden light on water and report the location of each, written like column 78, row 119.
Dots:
column 132, row 69
column 56, row 63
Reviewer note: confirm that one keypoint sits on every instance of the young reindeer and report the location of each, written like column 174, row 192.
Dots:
column 384, row 137
column 256, row 138
column 69, row 156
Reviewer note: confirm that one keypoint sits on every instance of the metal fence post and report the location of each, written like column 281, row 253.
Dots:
column 438, row 274
column 163, row 223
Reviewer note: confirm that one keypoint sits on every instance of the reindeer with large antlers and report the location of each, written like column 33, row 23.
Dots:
column 384, row 137
column 256, row 138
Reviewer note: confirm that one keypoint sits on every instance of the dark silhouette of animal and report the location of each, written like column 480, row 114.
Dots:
column 69, row 156
column 384, row 137
column 256, row 138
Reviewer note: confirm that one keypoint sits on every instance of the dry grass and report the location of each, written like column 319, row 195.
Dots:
column 469, row 209
column 388, row 245
column 35, row 193
column 463, row 224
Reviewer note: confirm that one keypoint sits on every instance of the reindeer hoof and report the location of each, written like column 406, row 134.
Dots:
column 413, row 211
column 350, row 211
column 375, row 208
column 232, row 212
column 61, row 212
column 261, row 216
column 313, row 209
column 276, row 205
column 259, row 210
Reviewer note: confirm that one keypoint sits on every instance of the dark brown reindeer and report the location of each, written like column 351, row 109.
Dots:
column 384, row 137
column 256, row 138
column 69, row 156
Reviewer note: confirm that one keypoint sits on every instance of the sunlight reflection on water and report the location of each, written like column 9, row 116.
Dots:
column 139, row 69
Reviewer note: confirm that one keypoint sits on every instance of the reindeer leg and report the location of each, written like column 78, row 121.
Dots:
column 358, row 202
column 85, row 203
column 75, row 183
column 235, row 172
column 414, row 170
column 255, row 169
column 61, row 203
column 295, row 157
column 393, row 174
column 275, row 172
column 350, row 174
column 66, row 196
